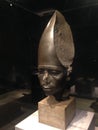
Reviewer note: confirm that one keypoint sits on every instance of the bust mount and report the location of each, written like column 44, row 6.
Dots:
column 55, row 56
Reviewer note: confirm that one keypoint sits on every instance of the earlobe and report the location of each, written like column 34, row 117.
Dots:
column 69, row 70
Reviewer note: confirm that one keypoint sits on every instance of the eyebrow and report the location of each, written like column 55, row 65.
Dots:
column 53, row 69
column 50, row 67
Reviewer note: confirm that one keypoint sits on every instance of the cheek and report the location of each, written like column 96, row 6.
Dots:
column 40, row 79
column 57, row 81
column 59, row 77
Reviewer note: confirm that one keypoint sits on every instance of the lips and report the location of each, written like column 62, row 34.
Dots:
column 46, row 87
column 48, row 90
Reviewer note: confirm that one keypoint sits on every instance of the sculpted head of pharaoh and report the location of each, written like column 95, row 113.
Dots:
column 55, row 56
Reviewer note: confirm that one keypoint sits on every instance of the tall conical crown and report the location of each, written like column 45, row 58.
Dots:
column 56, row 44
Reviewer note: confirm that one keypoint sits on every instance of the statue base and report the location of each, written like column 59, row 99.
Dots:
column 56, row 114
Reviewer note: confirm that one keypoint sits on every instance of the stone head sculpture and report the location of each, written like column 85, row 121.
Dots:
column 55, row 55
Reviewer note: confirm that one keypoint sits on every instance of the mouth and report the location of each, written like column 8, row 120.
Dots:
column 46, row 87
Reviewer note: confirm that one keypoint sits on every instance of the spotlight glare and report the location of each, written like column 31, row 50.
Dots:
column 11, row 4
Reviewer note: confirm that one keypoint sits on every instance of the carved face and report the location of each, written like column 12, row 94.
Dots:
column 51, row 79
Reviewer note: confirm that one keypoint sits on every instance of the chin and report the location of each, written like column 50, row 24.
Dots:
column 52, row 91
column 49, row 92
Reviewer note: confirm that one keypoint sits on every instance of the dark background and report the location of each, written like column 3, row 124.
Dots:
column 21, row 25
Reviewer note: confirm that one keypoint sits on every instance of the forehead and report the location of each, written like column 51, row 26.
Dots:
column 52, row 67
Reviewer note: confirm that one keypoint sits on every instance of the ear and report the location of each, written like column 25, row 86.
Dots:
column 63, row 41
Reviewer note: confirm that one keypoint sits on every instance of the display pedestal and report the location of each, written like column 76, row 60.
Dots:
column 56, row 114
column 83, row 120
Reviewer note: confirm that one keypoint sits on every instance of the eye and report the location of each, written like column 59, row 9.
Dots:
column 54, row 72
column 41, row 71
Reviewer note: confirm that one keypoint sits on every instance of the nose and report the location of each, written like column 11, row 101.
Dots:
column 45, row 76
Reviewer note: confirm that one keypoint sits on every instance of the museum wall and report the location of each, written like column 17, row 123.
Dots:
column 18, row 40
